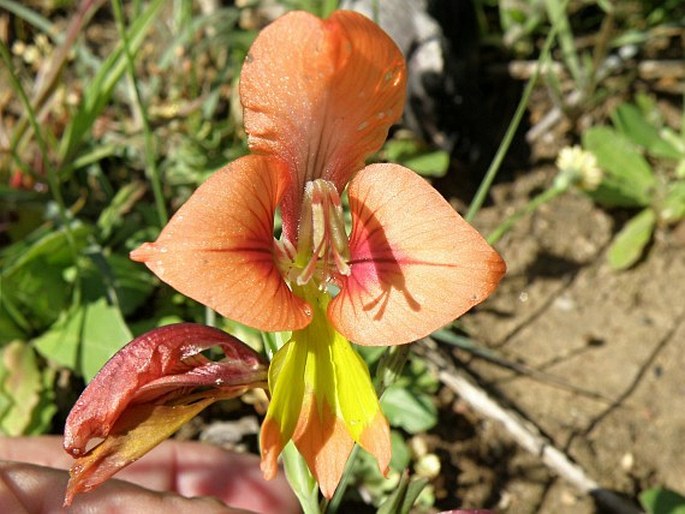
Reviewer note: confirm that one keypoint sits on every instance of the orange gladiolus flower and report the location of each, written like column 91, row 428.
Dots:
column 319, row 97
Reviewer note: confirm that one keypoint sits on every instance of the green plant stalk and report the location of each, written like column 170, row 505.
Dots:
column 151, row 170
column 490, row 175
column 301, row 480
column 530, row 207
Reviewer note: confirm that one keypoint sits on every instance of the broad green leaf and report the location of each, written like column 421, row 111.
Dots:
column 116, row 277
column 629, row 244
column 21, row 386
column 32, row 281
column 662, row 501
column 84, row 339
column 9, row 329
column 628, row 179
column 104, row 333
column 46, row 242
column 39, row 290
column 429, row 164
column 415, row 156
column 630, row 120
column 401, row 456
column 61, row 342
column 414, row 412
column 672, row 210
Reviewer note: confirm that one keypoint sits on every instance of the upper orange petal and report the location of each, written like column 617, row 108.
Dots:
column 321, row 95
column 218, row 247
column 415, row 263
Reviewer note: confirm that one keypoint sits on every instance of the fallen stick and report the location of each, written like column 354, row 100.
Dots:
column 525, row 433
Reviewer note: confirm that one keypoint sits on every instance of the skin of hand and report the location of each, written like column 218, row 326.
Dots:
column 175, row 477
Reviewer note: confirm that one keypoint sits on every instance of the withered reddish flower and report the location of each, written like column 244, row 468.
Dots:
column 145, row 393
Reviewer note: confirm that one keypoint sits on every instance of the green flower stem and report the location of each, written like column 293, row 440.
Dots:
column 300, row 479
column 151, row 165
column 484, row 187
column 530, row 207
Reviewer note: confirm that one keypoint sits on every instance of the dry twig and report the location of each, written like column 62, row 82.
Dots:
column 524, row 432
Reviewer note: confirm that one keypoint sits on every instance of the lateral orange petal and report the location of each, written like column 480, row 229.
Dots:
column 321, row 95
column 218, row 247
column 416, row 265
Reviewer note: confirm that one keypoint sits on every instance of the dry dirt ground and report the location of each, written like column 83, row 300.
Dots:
column 605, row 353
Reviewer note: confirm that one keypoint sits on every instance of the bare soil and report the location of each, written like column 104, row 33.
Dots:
column 604, row 359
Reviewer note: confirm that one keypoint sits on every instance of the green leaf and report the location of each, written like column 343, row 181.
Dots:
column 21, row 389
column 122, row 202
column 414, row 412
column 44, row 242
column 628, row 179
column 629, row 244
column 33, row 285
column 662, row 501
column 84, row 339
column 403, row 498
column 429, row 164
column 401, row 456
column 61, row 342
column 104, row 333
column 9, row 328
column 630, row 120
column 672, row 210
column 415, row 156
column 38, row 288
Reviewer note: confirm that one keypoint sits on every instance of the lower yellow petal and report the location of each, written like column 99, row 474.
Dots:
column 286, row 383
column 323, row 399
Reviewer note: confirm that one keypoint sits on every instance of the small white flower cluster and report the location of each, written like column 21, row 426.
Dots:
column 581, row 167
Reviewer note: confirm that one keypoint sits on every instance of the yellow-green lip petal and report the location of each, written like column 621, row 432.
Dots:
column 323, row 399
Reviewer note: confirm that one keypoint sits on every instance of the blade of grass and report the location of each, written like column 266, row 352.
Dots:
column 101, row 87
column 49, row 74
column 151, row 170
column 50, row 173
column 53, row 180
column 32, row 17
column 490, row 175
column 557, row 15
